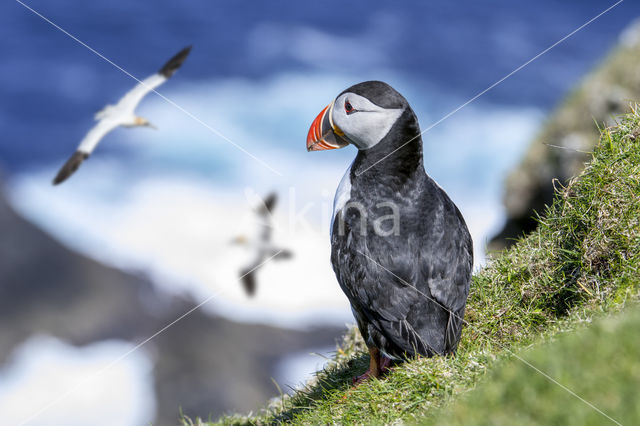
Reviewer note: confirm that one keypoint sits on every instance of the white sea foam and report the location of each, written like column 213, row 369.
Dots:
column 42, row 370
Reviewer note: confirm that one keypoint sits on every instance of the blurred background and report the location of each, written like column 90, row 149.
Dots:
column 141, row 234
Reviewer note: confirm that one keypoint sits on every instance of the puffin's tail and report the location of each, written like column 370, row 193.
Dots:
column 70, row 166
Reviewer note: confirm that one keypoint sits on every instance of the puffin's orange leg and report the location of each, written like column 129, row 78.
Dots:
column 378, row 365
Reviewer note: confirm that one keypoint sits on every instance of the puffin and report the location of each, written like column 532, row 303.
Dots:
column 261, row 246
column 400, row 248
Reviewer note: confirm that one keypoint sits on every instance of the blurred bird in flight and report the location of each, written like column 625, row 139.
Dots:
column 120, row 114
column 262, row 246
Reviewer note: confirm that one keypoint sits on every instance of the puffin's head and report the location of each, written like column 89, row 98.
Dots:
column 362, row 115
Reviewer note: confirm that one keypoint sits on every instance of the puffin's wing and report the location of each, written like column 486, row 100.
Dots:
column 131, row 100
column 391, row 297
column 447, row 267
column 446, row 270
column 86, row 147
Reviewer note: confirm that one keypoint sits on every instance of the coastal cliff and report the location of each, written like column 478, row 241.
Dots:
column 564, row 144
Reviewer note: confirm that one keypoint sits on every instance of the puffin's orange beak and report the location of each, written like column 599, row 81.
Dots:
column 323, row 134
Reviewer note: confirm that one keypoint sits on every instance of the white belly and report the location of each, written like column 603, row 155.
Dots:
column 343, row 195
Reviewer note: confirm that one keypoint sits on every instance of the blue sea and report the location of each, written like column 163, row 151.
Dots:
column 233, row 122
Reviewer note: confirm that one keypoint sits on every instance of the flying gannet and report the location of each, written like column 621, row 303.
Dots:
column 262, row 246
column 120, row 114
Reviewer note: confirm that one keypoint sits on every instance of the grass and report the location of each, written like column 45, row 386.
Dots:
column 582, row 262
column 599, row 363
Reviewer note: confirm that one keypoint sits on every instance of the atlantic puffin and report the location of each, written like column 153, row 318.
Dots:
column 400, row 248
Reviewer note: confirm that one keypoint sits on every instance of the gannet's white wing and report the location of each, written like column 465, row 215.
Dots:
column 86, row 147
column 130, row 101
column 97, row 132
column 114, row 115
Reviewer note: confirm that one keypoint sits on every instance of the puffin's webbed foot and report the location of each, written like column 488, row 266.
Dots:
column 378, row 366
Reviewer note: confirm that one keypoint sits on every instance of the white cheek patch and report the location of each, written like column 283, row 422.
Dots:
column 368, row 125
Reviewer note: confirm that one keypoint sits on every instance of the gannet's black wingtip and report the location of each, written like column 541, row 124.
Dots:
column 174, row 63
column 284, row 254
column 268, row 204
column 70, row 167
column 249, row 282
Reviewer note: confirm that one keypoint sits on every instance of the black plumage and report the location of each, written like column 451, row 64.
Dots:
column 172, row 65
column 70, row 166
column 407, row 285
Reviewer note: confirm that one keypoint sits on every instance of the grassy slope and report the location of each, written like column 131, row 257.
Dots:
column 582, row 261
column 600, row 364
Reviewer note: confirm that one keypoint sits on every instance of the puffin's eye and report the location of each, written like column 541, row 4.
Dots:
column 348, row 107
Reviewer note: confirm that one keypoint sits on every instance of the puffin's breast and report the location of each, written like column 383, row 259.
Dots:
column 343, row 195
